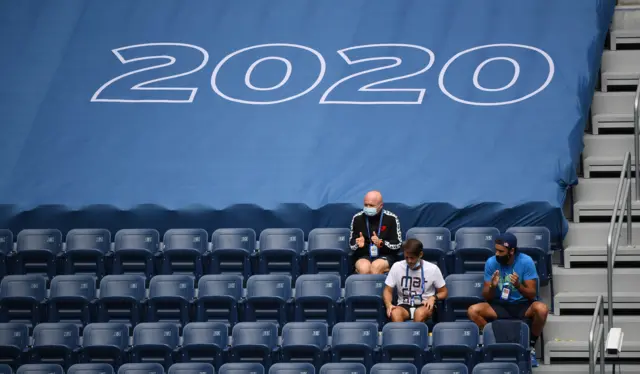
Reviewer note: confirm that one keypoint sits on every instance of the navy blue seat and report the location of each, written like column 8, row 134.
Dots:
column 292, row 368
column 269, row 299
column 155, row 341
column 474, row 245
column 318, row 298
column 40, row 369
column 55, row 343
column 141, row 368
column 241, row 368
column 91, row 369
column 496, row 368
column 170, row 298
column 218, row 299
column 205, row 342
column 280, row 251
column 445, row 368
column 231, row 251
column 436, row 242
column 405, row 342
column 328, row 252
column 536, row 242
column 515, row 351
column 122, row 299
column 5, row 369
column 254, row 341
column 6, row 247
column 136, row 251
column 343, row 368
column 22, row 299
column 355, row 341
column 86, row 250
column 192, row 368
column 37, row 252
column 455, row 341
column 393, row 368
column 104, row 343
column 363, row 298
column 464, row 291
column 305, row 342
column 72, row 298
column 14, row 343
column 185, row 252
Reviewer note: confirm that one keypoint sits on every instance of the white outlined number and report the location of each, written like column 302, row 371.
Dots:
column 181, row 94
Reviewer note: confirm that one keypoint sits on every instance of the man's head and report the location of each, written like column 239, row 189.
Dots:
column 372, row 203
column 506, row 246
column 412, row 249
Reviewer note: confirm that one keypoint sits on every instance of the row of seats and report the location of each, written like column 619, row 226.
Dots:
column 237, row 251
column 259, row 342
column 218, row 298
column 282, row 368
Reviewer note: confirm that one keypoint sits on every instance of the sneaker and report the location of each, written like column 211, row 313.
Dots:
column 534, row 360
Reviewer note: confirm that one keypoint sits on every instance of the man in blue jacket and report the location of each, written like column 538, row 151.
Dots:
column 511, row 290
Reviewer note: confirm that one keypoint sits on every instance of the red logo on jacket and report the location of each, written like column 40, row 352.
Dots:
column 383, row 228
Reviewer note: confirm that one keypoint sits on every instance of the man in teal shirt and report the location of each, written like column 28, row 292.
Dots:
column 511, row 290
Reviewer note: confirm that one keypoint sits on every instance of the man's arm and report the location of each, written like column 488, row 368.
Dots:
column 354, row 233
column 387, row 296
column 529, row 285
column 488, row 291
column 442, row 293
column 395, row 239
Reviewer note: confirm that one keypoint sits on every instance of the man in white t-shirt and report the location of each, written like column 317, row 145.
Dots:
column 418, row 283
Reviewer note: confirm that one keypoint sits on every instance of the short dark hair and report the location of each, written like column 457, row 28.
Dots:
column 413, row 246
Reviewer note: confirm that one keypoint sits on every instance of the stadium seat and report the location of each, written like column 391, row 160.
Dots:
column 5, row 369
column 184, row 251
column 516, row 351
column 37, row 252
column 254, row 341
column 393, row 368
column 86, row 250
column 292, row 368
column 474, row 245
column 328, row 252
column 141, row 368
column 40, row 369
column 363, row 298
column 455, row 341
column 192, row 368
column 405, row 342
column 343, row 368
column 218, row 298
column 14, row 343
column 6, row 247
column 170, row 298
column 231, row 251
column 55, row 343
column 536, row 242
column 155, row 341
column 72, row 299
column 280, row 251
column 136, row 251
column 305, row 342
column 241, row 368
column 436, row 242
column 353, row 341
column 445, row 368
column 496, row 368
column 318, row 298
column 22, row 299
column 269, row 299
column 104, row 343
column 205, row 342
column 464, row 291
column 91, row 369
column 121, row 299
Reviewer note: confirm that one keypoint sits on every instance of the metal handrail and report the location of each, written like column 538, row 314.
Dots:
column 636, row 133
column 596, row 338
column 623, row 196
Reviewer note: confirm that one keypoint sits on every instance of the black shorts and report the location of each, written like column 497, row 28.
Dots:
column 510, row 310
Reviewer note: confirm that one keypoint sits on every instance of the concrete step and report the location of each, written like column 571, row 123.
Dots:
column 620, row 68
column 595, row 198
column 559, row 350
column 605, row 153
column 576, row 257
column 583, row 369
column 594, row 280
column 612, row 110
column 625, row 26
column 594, row 234
column 586, row 301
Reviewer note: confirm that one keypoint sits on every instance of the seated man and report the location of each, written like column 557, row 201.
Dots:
column 375, row 237
column 510, row 288
column 419, row 285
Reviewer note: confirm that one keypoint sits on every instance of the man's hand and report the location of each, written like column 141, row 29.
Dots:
column 515, row 280
column 429, row 303
column 390, row 309
column 375, row 240
column 495, row 278
column 360, row 241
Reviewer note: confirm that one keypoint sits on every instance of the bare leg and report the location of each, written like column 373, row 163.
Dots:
column 380, row 266
column 363, row 266
column 480, row 313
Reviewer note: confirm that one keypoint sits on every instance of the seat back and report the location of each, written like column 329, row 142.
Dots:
column 496, row 368
column 445, row 368
column 328, row 251
column 14, row 336
column 393, row 368
column 192, row 368
column 316, row 298
column 37, row 251
column 135, row 250
column 90, row 369
column 455, row 341
column 144, row 239
column 238, row 238
column 155, row 334
column 21, row 297
column 405, row 342
column 255, row 334
column 241, row 368
column 309, row 334
column 183, row 250
column 88, row 239
column 267, row 296
column 363, row 298
column 211, row 334
column 56, row 334
column 464, row 291
column 292, row 368
column 5, row 369
column 511, row 351
column 329, row 238
column 474, row 245
column 170, row 287
column 231, row 249
column 141, row 368
column 69, row 298
column 120, row 298
column 343, row 368
column 355, row 333
column 189, row 239
column 221, row 292
column 288, row 238
column 6, row 242
column 106, row 335
column 40, row 369
column 280, row 251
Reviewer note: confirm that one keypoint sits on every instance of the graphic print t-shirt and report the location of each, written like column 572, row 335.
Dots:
column 411, row 285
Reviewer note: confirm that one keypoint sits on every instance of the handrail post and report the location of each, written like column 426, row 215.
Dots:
column 636, row 134
column 596, row 337
column 604, row 335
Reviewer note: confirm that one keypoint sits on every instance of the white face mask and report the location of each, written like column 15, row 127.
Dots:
column 370, row 211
